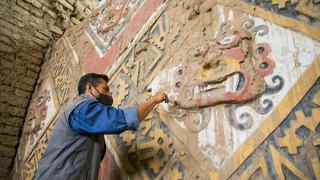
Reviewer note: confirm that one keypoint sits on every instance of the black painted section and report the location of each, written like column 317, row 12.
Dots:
column 289, row 10
column 300, row 160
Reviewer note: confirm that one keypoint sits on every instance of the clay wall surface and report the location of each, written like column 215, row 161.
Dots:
column 242, row 77
column 27, row 29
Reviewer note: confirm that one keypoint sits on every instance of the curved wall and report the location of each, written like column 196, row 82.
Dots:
column 243, row 80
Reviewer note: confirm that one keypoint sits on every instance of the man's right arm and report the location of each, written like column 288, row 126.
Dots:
column 145, row 108
column 92, row 117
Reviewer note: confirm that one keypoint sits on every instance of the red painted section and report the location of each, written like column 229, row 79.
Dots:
column 77, row 44
column 206, row 50
column 264, row 58
column 92, row 62
column 117, row 13
column 76, row 48
column 199, row 102
column 244, row 94
column 236, row 53
column 232, row 44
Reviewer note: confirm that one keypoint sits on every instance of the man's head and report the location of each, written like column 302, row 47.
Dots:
column 95, row 85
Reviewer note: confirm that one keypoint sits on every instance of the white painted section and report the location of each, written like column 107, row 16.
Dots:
column 101, row 2
column 145, row 27
column 292, row 54
column 285, row 45
column 230, row 17
column 51, row 112
column 75, row 56
column 166, row 77
column 221, row 14
column 221, row 19
column 51, row 106
column 136, row 38
column 207, row 132
column 92, row 42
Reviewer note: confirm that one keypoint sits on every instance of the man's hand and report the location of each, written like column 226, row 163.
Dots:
column 160, row 97
column 145, row 108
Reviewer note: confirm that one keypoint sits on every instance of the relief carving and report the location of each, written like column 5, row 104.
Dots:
column 31, row 163
column 149, row 147
column 113, row 13
column 306, row 11
column 307, row 7
column 224, row 77
column 227, row 69
column 109, row 20
column 294, row 141
column 40, row 119
column 61, row 73
column 120, row 91
column 295, row 137
column 223, row 83
column 37, row 113
column 41, row 113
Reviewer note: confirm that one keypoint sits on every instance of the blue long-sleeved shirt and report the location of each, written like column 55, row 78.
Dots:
column 92, row 117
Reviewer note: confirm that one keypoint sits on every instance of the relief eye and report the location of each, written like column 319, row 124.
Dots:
column 260, row 50
column 180, row 72
column 198, row 52
column 247, row 24
column 263, row 65
column 178, row 85
column 227, row 40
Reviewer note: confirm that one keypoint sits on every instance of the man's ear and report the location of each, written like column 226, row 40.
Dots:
column 89, row 88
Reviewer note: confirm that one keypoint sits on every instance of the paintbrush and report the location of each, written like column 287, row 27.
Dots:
column 170, row 101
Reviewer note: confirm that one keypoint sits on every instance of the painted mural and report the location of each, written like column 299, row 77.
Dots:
column 53, row 90
column 40, row 114
column 224, row 87
column 242, row 79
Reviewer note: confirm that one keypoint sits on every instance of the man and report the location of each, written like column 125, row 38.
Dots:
column 76, row 147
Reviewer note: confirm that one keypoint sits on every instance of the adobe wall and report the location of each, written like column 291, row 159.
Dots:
column 27, row 29
column 242, row 77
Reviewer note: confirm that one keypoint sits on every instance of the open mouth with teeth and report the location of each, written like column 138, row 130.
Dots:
column 230, row 88
column 232, row 84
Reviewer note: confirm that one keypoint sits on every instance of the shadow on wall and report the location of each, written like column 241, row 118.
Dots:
column 109, row 169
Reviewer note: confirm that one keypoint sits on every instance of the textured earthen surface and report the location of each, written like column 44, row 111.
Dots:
column 27, row 29
column 242, row 80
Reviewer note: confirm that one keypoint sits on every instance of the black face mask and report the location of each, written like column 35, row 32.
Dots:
column 104, row 99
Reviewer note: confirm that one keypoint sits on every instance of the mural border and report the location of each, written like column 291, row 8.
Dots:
column 51, row 121
column 152, row 20
column 293, row 97
column 283, row 21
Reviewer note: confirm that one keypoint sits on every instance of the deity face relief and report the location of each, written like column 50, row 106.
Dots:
column 228, row 69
